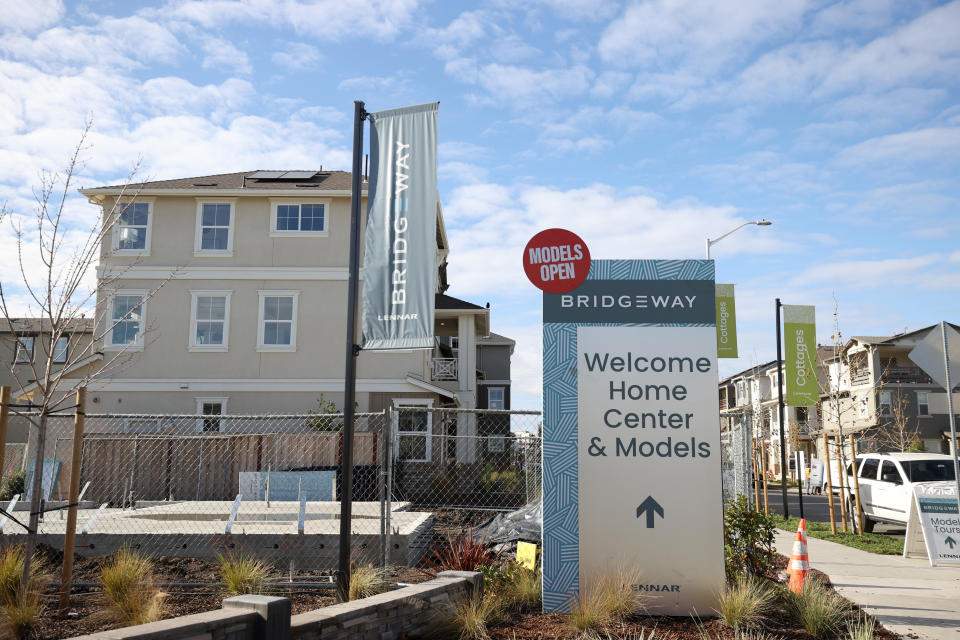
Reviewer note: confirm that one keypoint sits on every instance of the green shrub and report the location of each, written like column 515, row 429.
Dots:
column 517, row 588
column 130, row 588
column 472, row 617
column 747, row 539
column 817, row 608
column 607, row 599
column 13, row 485
column 242, row 574
column 365, row 581
column 745, row 602
column 22, row 612
column 861, row 629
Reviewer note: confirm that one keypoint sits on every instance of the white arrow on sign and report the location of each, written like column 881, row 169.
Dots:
column 928, row 355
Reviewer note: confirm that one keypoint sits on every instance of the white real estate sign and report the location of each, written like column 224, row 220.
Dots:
column 631, row 437
column 650, row 494
column 933, row 527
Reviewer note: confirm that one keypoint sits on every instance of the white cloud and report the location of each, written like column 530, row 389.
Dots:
column 321, row 19
column 705, row 33
column 910, row 146
column 380, row 84
column 112, row 42
column 522, row 86
column 30, row 15
column 297, row 55
column 223, row 54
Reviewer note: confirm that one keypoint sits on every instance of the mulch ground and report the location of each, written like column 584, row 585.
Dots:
column 540, row 626
column 87, row 613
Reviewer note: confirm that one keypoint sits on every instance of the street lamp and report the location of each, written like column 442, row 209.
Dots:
column 759, row 223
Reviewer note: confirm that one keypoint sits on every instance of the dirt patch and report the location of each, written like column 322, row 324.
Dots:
column 181, row 580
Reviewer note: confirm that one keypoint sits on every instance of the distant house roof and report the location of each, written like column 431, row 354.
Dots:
column 443, row 301
column 42, row 325
column 243, row 180
column 872, row 339
column 496, row 338
column 755, row 368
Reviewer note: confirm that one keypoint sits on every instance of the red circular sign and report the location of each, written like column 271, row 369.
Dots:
column 556, row 260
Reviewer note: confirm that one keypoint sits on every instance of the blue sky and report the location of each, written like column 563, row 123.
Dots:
column 642, row 126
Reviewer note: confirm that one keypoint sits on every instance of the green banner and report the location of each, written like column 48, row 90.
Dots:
column 726, row 322
column 800, row 346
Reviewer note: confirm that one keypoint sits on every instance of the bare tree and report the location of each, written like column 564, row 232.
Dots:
column 898, row 431
column 55, row 260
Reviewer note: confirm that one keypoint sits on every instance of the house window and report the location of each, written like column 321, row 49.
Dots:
column 299, row 218
column 885, row 403
column 214, row 228
column 24, row 352
column 209, row 320
column 208, row 408
column 132, row 230
column 495, row 444
column 923, row 403
column 278, row 321
column 413, row 429
column 495, row 398
column 455, row 345
column 60, row 350
column 126, row 319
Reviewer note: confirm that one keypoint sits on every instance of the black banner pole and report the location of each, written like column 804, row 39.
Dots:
column 783, row 450
column 350, row 364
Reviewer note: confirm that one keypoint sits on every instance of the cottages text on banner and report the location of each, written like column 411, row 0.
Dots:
column 800, row 338
column 399, row 274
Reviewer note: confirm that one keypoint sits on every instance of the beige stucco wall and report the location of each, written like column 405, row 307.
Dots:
column 174, row 227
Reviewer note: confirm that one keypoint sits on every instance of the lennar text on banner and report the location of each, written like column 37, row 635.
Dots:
column 800, row 341
column 399, row 274
column 726, row 322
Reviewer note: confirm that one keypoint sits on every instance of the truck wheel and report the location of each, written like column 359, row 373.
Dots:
column 868, row 525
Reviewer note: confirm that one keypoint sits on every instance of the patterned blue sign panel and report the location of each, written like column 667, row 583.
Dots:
column 622, row 294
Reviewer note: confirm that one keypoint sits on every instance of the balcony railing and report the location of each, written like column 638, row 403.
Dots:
column 444, row 369
column 914, row 375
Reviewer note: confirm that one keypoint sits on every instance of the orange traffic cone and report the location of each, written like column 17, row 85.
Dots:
column 799, row 567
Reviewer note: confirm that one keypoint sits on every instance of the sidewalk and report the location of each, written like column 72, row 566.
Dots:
column 906, row 595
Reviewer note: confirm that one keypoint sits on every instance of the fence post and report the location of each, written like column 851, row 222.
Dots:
column 4, row 416
column 70, row 534
column 388, row 506
column 383, row 491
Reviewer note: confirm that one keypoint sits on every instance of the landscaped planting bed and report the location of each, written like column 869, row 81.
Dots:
column 88, row 613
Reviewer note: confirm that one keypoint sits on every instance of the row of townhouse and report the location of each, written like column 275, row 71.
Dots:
column 869, row 388
column 225, row 294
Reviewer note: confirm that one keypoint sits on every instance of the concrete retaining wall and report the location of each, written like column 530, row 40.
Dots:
column 409, row 612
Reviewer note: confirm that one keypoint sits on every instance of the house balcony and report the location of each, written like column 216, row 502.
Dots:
column 906, row 375
column 444, row 369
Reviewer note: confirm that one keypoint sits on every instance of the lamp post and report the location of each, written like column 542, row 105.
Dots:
column 759, row 223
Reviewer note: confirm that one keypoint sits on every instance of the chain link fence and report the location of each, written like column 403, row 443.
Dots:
column 270, row 485
column 736, row 448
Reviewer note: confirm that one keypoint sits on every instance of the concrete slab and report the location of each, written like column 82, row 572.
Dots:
column 197, row 529
column 906, row 595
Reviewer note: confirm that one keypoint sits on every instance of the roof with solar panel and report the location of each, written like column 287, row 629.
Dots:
column 244, row 180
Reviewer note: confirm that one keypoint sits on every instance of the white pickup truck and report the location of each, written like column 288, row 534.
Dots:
column 886, row 483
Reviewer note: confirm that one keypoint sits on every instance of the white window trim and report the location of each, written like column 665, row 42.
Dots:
column 926, row 404
column 19, row 348
column 223, row 411
column 413, row 402
column 885, row 399
column 108, row 339
column 192, row 338
column 326, row 202
column 66, row 351
column 198, row 251
column 293, row 328
column 503, row 397
column 115, row 243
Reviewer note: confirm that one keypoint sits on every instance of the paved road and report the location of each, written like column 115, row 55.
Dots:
column 817, row 509
column 906, row 595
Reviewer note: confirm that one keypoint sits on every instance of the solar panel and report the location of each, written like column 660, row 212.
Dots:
column 265, row 175
column 298, row 175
